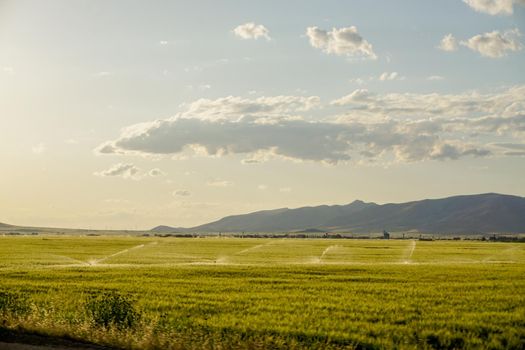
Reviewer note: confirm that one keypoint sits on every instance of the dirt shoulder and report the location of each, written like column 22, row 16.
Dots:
column 19, row 340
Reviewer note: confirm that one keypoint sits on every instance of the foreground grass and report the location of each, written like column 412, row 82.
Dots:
column 244, row 293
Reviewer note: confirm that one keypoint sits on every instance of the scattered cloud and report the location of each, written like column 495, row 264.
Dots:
column 39, row 149
column 494, row 7
column 285, row 189
column 155, row 172
column 257, row 157
column 435, row 78
column 386, row 76
column 219, row 183
column 124, row 170
column 358, row 81
column 495, row 44
column 201, row 87
column 448, row 43
column 251, row 30
column 181, row 193
column 163, row 42
column 262, row 187
column 341, row 41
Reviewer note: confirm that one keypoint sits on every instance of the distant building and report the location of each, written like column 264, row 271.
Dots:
column 386, row 235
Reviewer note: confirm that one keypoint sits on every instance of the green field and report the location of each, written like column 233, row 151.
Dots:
column 269, row 293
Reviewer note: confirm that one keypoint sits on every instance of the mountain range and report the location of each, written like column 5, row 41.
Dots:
column 482, row 213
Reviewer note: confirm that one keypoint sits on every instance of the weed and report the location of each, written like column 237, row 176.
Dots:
column 112, row 309
column 14, row 304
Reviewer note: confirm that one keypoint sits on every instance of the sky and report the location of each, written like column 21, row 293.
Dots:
column 132, row 114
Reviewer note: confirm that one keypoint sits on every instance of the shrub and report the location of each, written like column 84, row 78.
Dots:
column 14, row 304
column 112, row 309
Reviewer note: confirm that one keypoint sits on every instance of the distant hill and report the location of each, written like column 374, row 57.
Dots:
column 284, row 219
column 163, row 228
column 483, row 213
column 5, row 226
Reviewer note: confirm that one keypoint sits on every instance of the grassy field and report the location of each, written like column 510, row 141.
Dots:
column 262, row 293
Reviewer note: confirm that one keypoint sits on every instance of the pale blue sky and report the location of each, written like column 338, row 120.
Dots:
column 74, row 74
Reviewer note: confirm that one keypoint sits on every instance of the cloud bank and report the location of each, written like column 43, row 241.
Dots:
column 373, row 127
column 231, row 107
column 364, row 103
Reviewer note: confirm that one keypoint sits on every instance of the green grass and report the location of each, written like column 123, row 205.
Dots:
column 272, row 293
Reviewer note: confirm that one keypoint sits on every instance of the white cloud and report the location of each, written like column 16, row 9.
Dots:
column 251, row 30
column 448, row 43
column 285, row 189
column 435, row 78
column 358, row 81
column 343, row 41
column 386, row 76
column 124, row 170
column 234, row 107
column 494, row 7
column 202, row 87
column 39, row 149
column 262, row 187
column 163, row 42
column 219, row 183
column 495, row 44
column 362, row 103
column 181, row 193
column 156, row 172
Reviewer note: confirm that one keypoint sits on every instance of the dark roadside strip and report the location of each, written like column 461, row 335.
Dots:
column 29, row 338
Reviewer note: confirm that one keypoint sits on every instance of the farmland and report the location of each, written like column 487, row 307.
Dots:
column 269, row 293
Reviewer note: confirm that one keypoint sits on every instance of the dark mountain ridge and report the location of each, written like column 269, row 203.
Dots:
column 283, row 219
column 481, row 213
